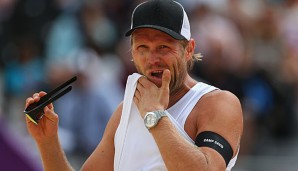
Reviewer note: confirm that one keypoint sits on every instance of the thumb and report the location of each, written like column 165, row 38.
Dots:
column 166, row 78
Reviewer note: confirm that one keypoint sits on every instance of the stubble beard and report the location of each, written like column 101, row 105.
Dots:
column 177, row 80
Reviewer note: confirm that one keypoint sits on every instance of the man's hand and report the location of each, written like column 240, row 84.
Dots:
column 47, row 126
column 148, row 97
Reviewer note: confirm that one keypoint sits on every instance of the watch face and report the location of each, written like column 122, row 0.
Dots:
column 151, row 120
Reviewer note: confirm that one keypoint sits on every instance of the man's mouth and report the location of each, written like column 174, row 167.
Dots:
column 157, row 74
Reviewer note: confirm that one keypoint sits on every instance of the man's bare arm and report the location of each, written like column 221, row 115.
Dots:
column 52, row 155
column 46, row 137
column 221, row 114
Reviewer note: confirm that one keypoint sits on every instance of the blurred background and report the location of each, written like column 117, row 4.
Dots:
column 250, row 48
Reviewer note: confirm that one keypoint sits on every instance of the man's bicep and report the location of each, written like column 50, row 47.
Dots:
column 220, row 132
column 102, row 157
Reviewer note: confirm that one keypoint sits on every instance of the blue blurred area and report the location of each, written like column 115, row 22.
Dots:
column 248, row 48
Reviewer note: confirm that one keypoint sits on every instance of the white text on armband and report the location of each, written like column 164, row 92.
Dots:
column 213, row 141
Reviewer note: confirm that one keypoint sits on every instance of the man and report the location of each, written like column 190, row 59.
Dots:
column 170, row 121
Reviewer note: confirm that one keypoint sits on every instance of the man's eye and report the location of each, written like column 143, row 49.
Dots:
column 163, row 46
column 142, row 46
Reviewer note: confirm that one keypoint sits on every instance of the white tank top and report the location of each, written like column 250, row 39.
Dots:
column 139, row 151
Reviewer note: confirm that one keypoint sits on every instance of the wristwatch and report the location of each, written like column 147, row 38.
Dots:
column 152, row 118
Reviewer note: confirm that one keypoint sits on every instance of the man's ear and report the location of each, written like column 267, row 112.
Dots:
column 190, row 49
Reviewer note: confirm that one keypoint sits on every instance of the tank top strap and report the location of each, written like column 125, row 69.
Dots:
column 184, row 106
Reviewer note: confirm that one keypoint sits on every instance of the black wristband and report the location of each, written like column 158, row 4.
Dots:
column 217, row 142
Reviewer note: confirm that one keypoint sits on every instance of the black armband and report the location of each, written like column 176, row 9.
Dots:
column 217, row 142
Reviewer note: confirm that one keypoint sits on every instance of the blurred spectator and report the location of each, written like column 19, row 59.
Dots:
column 221, row 46
column 22, row 49
column 85, row 111
column 215, row 5
column 6, row 10
column 80, row 42
column 101, row 36
column 24, row 72
column 288, row 20
column 64, row 33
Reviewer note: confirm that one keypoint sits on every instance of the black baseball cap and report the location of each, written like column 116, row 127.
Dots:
column 165, row 15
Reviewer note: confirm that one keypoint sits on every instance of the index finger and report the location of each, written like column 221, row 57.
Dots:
column 42, row 93
column 29, row 101
column 143, row 81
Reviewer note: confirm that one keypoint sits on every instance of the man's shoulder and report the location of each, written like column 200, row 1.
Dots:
column 219, row 103
column 220, row 96
column 216, row 110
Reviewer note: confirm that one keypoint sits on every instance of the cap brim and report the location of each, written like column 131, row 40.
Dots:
column 163, row 29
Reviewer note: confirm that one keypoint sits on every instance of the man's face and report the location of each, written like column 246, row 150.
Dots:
column 153, row 51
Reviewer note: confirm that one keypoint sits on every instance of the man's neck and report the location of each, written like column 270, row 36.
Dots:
column 179, row 93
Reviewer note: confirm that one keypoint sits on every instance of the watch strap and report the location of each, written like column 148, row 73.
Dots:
column 161, row 113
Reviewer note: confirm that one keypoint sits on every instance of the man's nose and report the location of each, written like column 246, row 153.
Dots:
column 153, row 57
